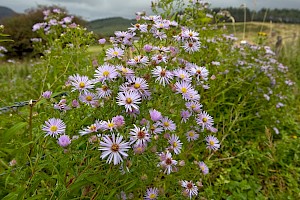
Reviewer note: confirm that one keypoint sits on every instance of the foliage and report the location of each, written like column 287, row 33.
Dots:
column 19, row 27
column 240, row 85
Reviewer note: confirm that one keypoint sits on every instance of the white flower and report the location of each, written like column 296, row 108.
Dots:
column 113, row 147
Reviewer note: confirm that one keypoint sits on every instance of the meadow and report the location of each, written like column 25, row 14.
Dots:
column 187, row 111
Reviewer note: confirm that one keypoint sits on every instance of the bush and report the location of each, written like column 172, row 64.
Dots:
column 19, row 27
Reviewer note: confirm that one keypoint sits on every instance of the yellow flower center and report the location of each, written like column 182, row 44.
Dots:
column 193, row 106
column 115, row 53
column 198, row 71
column 105, row 73
column 183, row 90
column 182, row 76
column 115, row 147
column 211, row 143
column 89, row 98
column 175, row 144
column 204, row 119
column 152, row 196
column 93, row 127
column 110, row 125
column 124, row 70
column 166, row 124
column 53, row 128
column 81, row 85
column 191, row 134
column 128, row 100
column 137, row 85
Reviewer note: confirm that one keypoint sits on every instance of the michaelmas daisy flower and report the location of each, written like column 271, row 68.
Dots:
column 114, row 148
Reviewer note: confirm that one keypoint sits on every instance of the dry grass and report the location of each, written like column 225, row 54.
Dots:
column 288, row 32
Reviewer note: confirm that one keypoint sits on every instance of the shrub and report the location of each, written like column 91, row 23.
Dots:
column 19, row 27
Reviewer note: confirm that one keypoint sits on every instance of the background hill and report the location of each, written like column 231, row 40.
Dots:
column 106, row 27
column 6, row 12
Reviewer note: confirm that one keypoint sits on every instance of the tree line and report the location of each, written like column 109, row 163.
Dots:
column 264, row 14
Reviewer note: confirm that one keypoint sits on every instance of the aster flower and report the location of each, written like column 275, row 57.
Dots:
column 159, row 34
column 61, row 105
column 158, row 58
column 162, row 75
column 139, row 148
column 204, row 120
column 119, row 121
column 192, row 135
column 93, row 128
column 140, row 27
column 167, row 162
column 182, row 75
column 200, row 72
column 113, row 147
column 151, row 193
column 190, row 35
column 102, row 41
column 203, row 167
column 81, row 83
column 54, row 127
column 194, row 106
column 129, row 99
column 125, row 71
column 185, row 115
column 109, row 125
column 138, row 61
column 115, row 52
column 175, row 143
column 138, row 84
column 104, row 91
column 167, row 124
column 212, row 143
column 106, row 72
column 155, row 115
column 190, row 189
column 139, row 135
column 192, row 95
column 89, row 98
column 191, row 47
column 47, row 94
column 161, row 24
column 184, row 88
column 148, row 48
column 155, row 128
column 64, row 141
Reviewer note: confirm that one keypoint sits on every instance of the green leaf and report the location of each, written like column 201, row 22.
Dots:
column 16, row 128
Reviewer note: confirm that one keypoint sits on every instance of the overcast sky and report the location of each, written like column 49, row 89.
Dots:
column 96, row 9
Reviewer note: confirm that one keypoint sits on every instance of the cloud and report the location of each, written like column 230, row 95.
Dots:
column 95, row 9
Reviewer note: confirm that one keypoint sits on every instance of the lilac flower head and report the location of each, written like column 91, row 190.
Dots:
column 64, row 141
column 148, row 48
column 119, row 121
column 212, row 143
column 190, row 189
column 54, row 127
column 185, row 115
column 203, row 167
column 114, row 148
column 115, row 52
column 151, row 193
column 102, row 41
column 155, row 115
column 47, row 94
